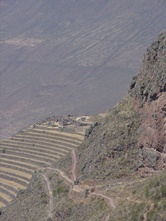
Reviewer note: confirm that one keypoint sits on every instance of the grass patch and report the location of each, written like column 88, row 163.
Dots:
column 60, row 189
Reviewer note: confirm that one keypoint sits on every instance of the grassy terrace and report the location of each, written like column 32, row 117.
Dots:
column 40, row 147
column 14, row 141
column 31, row 150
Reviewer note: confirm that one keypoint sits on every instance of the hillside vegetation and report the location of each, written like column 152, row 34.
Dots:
column 118, row 172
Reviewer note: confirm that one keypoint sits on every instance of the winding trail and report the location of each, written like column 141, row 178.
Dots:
column 61, row 173
column 106, row 197
column 145, row 214
column 76, row 188
column 80, row 188
column 74, row 162
column 50, row 205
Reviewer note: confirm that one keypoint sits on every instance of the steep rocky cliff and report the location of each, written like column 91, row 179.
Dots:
column 132, row 136
column 148, row 90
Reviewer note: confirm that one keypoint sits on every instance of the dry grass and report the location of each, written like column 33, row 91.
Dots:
column 2, row 204
column 17, row 172
column 5, row 196
column 26, row 158
column 23, row 163
column 45, row 147
column 46, row 152
column 9, row 191
column 23, row 150
column 12, row 184
column 50, row 135
column 44, row 140
column 32, row 142
column 61, row 133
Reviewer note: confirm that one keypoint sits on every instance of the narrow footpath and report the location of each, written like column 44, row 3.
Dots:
column 76, row 188
column 81, row 188
column 74, row 161
column 50, row 205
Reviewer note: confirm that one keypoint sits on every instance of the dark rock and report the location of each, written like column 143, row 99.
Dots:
column 88, row 132
column 150, row 157
column 118, row 148
column 76, row 182
column 138, row 165
column 155, row 45
column 132, row 84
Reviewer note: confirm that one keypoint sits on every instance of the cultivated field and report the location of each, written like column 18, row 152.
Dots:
column 35, row 148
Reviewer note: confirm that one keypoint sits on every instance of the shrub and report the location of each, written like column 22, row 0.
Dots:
column 163, row 190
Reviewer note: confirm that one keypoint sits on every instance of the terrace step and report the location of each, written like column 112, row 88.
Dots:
column 13, row 177
column 17, row 168
column 56, row 131
column 38, row 153
column 28, row 166
column 47, row 137
column 31, row 156
column 9, row 188
column 12, row 183
column 32, row 142
column 3, row 190
column 18, row 173
column 3, row 200
column 28, row 144
column 34, row 149
column 2, row 204
column 22, row 159
column 52, row 135
column 44, row 140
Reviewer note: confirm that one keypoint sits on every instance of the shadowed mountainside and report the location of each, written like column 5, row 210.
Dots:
column 59, row 57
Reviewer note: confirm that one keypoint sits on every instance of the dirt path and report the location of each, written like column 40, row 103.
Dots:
column 79, row 188
column 74, row 162
column 106, row 197
column 107, row 217
column 50, row 205
column 145, row 214
column 76, row 188
column 61, row 173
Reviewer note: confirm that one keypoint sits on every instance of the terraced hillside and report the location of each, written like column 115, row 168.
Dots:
column 35, row 148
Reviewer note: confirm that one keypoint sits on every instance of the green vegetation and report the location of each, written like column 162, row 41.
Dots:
column 113, row 145
column 60, row 189
column 137, row 211
column 44, row 198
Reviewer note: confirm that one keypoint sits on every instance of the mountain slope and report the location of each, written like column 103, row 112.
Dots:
column 59, row 57
column 135, row 125
column 118, row 173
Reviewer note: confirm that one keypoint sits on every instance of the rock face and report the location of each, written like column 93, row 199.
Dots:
column 133, row 136
column 148, row 90
column 151, row 81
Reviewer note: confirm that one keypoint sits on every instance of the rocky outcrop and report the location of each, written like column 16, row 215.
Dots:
column 148, row 91
column 133, row 135
column 151, row 81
